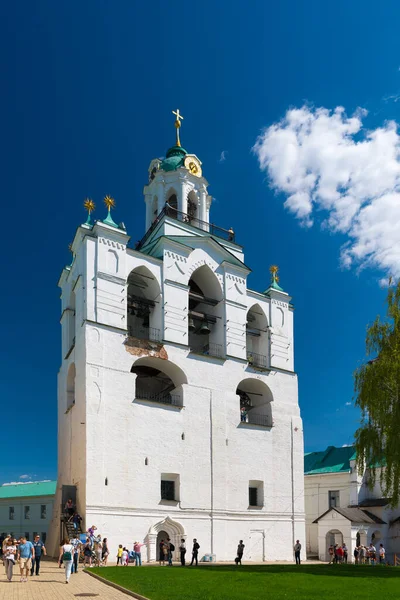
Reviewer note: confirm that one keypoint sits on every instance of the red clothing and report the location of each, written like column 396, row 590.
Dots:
column 340, row 551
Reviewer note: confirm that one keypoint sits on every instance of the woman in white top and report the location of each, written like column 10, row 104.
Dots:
column 9, row 552
column 99, row 552
column 67, row 555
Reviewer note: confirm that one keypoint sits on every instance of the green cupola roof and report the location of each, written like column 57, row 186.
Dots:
column 274, row 280
column 174, row 160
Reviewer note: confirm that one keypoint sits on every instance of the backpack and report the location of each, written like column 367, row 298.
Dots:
column 171, row 547
column 67, row 556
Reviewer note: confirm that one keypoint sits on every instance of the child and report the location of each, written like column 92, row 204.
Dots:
column 125, row 555
column 119, row 555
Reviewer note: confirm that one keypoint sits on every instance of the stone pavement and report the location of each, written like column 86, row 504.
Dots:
column 50, row 585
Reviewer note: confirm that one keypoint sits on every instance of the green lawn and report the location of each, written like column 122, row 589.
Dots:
column 319, row 582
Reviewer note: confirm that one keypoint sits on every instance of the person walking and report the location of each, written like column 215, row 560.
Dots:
column 9, row 554
column 137, row 548
column 119, row 554
column 66, row 554
column 240, row 550
column 361, row 555
column 357, row 555
column 382, row 554
column 77, row 544
column 331, row 553
column 195, row 552
column 372, row 554
column 76, row 520
column 99, row 552
column 25, row 557
column 105, row 552
column 170, row 548
column 87, row 553
column 340, row 554
column 345, row 553
column 125, row 557
column 297, row 550
column 69, row 508
column 182, row 550
column 39, row 548
column 161, row 552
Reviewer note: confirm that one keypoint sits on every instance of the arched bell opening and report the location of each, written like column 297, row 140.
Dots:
column 255, row 402
column 205, row 324
column 143, row 305
column 193, row 209
column 158, row 380
column 257, row 340
column 171, row 205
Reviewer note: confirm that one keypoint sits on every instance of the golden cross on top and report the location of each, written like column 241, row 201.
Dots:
column 177, row 124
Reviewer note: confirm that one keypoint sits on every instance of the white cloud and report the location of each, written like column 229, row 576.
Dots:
column 347, row 445
column 24, row 476
column 223, row 156
column 325, row 162
column 25, row 482
column 348, row 404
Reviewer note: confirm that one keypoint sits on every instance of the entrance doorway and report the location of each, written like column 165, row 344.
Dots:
column 162, row 535
column 333, row 537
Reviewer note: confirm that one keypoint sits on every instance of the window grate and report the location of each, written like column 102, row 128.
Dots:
column 167, row 490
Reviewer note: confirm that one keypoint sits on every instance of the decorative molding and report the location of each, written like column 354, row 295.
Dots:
column 111, row 278
column 175, row 256
column 204, row 262
column 111, row 243
column 236, row 279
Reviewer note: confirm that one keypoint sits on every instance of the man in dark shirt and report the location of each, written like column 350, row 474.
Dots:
column 38, row 548
column 240, row 550
column 195, row 552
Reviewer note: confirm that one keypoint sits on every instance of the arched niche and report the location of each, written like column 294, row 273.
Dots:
column 255, row 402
column 158, row 380
column 71, row 376
column 165, row 528
column 205, row 316
column 257, row 338
column 143, row 305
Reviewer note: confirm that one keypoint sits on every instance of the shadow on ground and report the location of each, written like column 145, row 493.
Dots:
column 324, row 570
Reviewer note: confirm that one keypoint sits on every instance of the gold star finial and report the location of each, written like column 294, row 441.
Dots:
column 274, row 273
column 109, row 202
column 89, row 205
column 178, row 124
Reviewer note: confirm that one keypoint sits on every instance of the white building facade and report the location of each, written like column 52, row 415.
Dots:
column 340, row 507
column 27, row 508
column 177, row 396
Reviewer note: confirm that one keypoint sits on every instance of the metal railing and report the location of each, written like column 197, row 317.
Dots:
column 257, row 360
column 172, row 399
column 262, row 420
column 169, row 211
column 145, row 333
column 209, row 349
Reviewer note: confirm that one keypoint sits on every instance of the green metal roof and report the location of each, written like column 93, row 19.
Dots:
column 24, row 490
column 174, row 160
column 331, row 460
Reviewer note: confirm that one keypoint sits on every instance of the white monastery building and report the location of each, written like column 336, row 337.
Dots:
column 27, row 508
column 340, row 506
column 177, row 395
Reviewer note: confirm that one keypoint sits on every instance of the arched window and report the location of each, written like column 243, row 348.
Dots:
column 192, row 208
column 143, row 305
column 172, row 205
column 257, row 339
column 71, row 323
column 71, row 386
column 206, row 335
column 255, row 400
column 159, row 380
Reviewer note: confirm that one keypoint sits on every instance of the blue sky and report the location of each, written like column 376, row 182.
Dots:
column 87, row 93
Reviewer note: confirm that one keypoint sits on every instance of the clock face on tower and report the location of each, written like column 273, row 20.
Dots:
column 193, row 165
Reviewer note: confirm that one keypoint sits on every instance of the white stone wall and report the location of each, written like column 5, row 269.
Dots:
column 19, row 525
column 105, row 437
column 316, row 501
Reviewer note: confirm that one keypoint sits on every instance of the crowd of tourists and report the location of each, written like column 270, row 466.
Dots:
column 27, row 554
column 363, row 555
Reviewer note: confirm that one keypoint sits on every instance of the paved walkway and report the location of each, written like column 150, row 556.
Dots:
column 50, row 585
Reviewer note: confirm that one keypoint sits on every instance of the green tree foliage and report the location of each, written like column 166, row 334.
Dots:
column 377, row 393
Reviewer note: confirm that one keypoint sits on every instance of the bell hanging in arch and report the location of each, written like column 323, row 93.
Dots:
column 192, row 326
column 204, row 329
